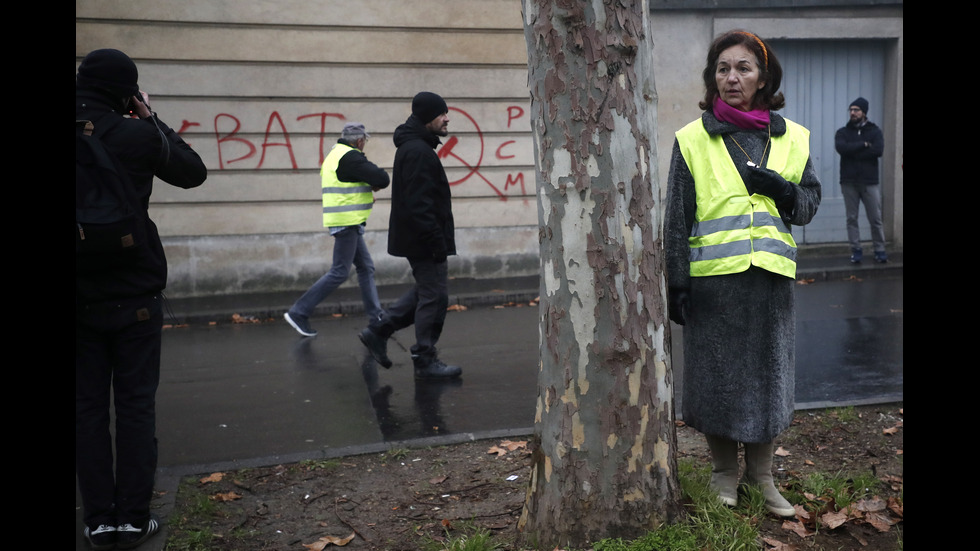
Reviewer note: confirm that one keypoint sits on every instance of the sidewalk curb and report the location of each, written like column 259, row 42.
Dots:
column 466, row 292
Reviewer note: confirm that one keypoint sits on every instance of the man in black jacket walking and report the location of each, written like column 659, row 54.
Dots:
column 860, row 143
column 119, row 310
column 420, row 229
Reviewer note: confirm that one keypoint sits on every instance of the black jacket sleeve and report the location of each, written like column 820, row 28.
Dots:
column 867, row 145
column 355, row 167
column 148, row 148
column 182, row 167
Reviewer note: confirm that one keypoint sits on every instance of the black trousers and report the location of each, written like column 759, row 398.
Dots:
column 423, row 305
column 117, row 356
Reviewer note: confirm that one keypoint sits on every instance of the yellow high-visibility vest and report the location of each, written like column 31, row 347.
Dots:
column 344, row 203
column 733, row 230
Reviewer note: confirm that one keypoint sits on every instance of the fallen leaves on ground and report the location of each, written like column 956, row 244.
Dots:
column 213, row 477
column 434, row 494
column 507, row 446
column 323, row 542
column 881, row 514
column 238, row 318
column 797, row 528
column 776, row 545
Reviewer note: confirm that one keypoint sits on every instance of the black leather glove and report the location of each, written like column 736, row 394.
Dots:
column 677, row 300
column 769, row 183
column 436, row 245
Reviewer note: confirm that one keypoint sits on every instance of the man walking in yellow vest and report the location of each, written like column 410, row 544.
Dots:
column 349, row 181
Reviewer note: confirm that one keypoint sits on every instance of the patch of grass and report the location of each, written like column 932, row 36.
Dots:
column 189, row 528
column 673, row 537
column 396, row 454
column 320, row 464
column 710, row 525
column 751, row 500
column 713, row 525
column 845, row 414
column 199, row 504
column 842, row 489
column 838, row 416
column 475, row 539
column 189, row 540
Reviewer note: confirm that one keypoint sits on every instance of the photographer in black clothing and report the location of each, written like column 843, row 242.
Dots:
column 118, row 311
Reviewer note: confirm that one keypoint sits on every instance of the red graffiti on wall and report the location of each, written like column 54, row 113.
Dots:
column 231, row 137
column 447, row 150
column 227, row 129
column 274, row 120
column 187, row 124
column 323, row 128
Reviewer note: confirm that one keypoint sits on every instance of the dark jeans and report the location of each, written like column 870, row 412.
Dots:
column 424, row 305
column 117, row 352
column 348, row 248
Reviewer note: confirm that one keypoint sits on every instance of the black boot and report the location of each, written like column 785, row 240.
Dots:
column 376, row 345
column 434, row 368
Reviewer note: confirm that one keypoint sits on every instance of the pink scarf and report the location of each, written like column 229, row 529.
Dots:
column 756, row 118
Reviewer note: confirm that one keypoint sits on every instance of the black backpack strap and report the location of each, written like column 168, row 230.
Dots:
column 97, row 126
column 164, row 156
column 99, row 130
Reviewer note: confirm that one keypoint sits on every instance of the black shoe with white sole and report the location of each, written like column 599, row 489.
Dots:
column 301, row 324
column 102, row 538
column 130, row 537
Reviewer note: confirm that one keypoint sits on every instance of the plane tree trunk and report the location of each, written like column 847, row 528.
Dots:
column 605, row 457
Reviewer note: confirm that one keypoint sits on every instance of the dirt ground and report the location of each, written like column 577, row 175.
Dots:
column 408, row 499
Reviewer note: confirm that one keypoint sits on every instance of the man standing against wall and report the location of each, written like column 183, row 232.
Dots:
column 349, row 181
column 860, row 143
column 420, row 229
column 119, row 304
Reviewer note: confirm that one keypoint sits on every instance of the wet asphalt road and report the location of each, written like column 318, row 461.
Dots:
column 235, row 392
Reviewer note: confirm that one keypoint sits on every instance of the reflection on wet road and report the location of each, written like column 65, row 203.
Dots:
column 232, row 392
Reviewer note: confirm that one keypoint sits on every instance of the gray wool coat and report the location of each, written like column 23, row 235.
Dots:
column 740, row 331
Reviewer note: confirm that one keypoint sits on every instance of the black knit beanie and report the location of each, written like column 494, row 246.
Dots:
column 426, row 106
column 110, row 70
column 861, row 104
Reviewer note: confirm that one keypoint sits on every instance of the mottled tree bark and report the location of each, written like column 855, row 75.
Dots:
column 604, row 464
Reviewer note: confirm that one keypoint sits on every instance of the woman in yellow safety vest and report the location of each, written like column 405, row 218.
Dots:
column 740, row 177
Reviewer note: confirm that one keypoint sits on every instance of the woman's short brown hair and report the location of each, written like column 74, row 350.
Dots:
column 770, row 71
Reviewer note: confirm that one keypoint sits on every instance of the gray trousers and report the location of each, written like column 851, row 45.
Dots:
column 854, row 194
